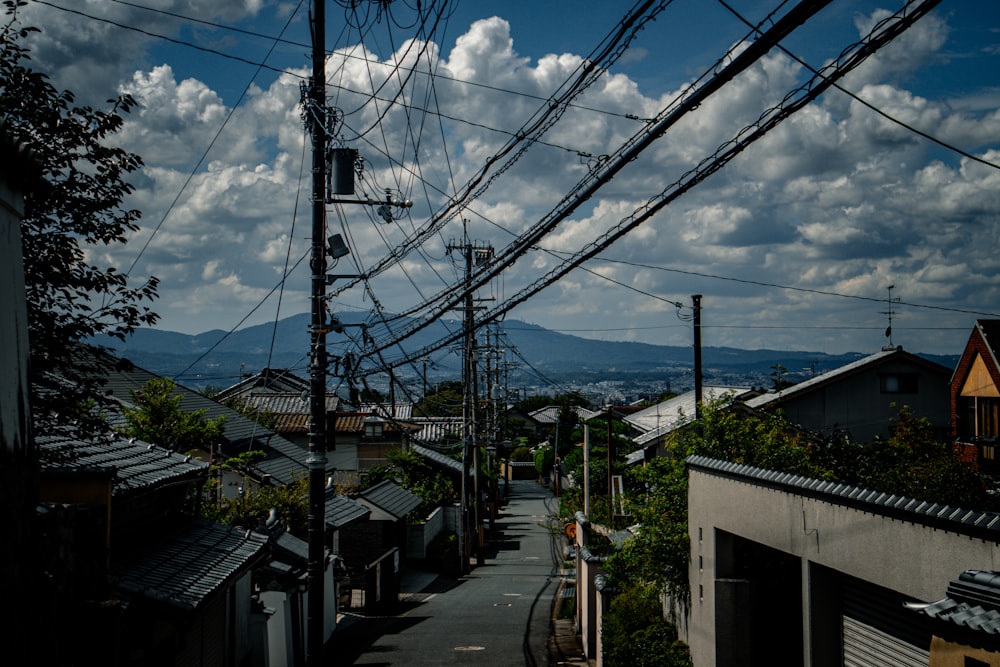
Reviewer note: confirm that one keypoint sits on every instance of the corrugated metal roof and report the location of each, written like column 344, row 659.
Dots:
column 983, row 525
column 440, row 459
column 191, row 566
column 674, row 412
column 137, row 464
column 341, row 510
column 391, row 498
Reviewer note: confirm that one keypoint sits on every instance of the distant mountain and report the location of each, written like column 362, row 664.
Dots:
column 214, row 359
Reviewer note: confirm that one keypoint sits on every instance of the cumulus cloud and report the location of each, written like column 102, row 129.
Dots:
column 838, row 199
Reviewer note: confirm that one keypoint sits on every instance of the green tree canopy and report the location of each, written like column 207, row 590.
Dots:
column 72, row 298
column 158, row 418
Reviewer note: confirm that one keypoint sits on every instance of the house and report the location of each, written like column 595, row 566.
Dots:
column 374, row 550
column 790, row 570
column 864, row 397
column 975, row 396
column 656, row 422
column 284, row 461
column 19, row 576
column 145, row 582
column 363, row 441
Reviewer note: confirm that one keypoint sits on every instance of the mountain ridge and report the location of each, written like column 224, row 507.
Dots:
column 217, row 358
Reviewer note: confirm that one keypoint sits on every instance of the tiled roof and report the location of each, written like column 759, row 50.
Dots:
column 397, row 411
column 442, row 460
column 436, row 430
column 341, row 510
column 354, row 422
column 189, row 567
column 391, row 498
column 137, row 464
column 973, row 602
column 269, row 379
column 287, row 403
column 285, row 461
column 550, row 414
column 982, row 525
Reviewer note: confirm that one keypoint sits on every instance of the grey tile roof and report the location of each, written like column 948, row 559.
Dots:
column 439, row 459
column 982, row 525
column 287, row 403
column 436, row 430
column 189, row 567
column 391, row 498
column 973, row 603
column 269, row 379
column 137, row 464
column 399, row 411
column 285, row 461
column 341, row 510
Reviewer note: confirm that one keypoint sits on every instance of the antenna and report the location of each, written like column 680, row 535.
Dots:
column 888, row 329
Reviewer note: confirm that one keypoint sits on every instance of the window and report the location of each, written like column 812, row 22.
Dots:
column 898, row 383
column 987, row 417
column 972, row 662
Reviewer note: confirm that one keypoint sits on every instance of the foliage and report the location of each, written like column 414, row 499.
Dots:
column 253, row 505
column 637, row 635
column 71, row 297
column 521, row 454
column 544, row 459
column 159, row 419
column 659, row 554
column 913, row 463
column 412, row 472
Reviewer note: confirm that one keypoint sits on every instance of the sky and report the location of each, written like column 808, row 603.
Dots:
column 806, row 240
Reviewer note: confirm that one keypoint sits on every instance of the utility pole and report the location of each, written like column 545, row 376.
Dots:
column 315, row 114
column 471, row 454
column 696, row 304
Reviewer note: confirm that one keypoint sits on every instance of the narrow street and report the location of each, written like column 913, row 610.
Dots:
column 497, row 614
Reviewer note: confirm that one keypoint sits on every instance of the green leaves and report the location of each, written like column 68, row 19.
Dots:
column 71, row 297
column 158, row 418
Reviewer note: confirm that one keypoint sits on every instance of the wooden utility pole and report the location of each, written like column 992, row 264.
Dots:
column 696, row 304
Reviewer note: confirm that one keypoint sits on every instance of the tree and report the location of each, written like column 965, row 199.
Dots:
column 412, row 472
column 71, row 298
column 159, row 419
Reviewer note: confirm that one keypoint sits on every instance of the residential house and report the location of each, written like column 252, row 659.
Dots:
column 143, row 582
column 658, row 421
column 19, row 576
column 863, row 398
column 790, row 570
column 975, row 396
column 374, row 550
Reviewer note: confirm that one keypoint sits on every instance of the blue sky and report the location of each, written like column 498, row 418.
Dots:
column 792, row 245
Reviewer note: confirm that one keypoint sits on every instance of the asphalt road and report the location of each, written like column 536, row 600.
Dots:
column 497, row 614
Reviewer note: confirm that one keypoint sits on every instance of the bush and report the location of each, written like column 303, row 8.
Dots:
column 637, row 635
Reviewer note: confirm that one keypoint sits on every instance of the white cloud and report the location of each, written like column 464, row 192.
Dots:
column 837, row 199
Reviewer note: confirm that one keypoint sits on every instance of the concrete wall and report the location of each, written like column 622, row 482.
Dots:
column 910, row 556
